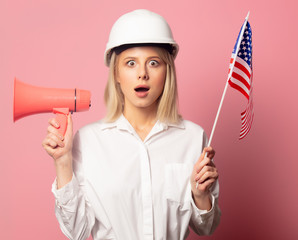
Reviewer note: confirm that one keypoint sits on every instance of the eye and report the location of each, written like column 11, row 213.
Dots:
column 131, row 63
column 153, row 63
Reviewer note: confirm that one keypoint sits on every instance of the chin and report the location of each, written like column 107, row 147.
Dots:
column 145, row 104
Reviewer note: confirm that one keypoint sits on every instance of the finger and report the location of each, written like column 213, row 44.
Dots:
column 199, row 165
column 49, row 144
column 208, row 149
column 206, row 152
column 211, row 163
column 57, row 139
column 54, row 131
column 203, row 154
column 53, row 122
column 208, row 175
column 205, row 185
column 53, row 152
column 53, row 141
column 203, row 171
column 49, row 149
column 211, row 152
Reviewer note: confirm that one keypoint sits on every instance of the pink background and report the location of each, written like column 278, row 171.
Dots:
column 61, row 44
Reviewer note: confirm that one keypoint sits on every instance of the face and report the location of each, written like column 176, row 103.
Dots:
column 141, row 74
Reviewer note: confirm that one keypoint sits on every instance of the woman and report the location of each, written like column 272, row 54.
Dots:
column 141, row 173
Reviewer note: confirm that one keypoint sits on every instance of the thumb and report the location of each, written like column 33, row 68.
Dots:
column 69, row 130
column 206, row 150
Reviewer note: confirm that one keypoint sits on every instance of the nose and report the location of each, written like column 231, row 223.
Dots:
column 143, row 73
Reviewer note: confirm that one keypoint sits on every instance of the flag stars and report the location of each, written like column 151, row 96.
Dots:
column 245, row 49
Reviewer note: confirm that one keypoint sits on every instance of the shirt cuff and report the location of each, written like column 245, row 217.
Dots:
column 200, row 211
column 67, row 192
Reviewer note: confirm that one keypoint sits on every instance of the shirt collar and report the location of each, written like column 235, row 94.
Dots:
column 123, row 124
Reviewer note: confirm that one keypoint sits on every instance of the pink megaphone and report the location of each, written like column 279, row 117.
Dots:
column 30, row 100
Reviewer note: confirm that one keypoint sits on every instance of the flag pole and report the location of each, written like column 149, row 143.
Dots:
column 227, row 82
column 226, row 87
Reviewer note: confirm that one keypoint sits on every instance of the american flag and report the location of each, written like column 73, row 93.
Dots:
column 241, row 75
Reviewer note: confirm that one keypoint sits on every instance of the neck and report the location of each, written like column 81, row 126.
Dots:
column 141, row 119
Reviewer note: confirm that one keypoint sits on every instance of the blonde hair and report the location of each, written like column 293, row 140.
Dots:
column 167, row 111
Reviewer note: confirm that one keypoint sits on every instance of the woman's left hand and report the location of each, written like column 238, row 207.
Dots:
column 204, row 174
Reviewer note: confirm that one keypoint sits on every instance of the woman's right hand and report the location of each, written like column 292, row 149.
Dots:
column 56, row 145
column 60, row 149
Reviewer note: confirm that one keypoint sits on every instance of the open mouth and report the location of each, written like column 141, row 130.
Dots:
column 142, row 89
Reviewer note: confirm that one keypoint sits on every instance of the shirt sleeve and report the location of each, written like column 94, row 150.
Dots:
column 72, row 208
column 204, row 222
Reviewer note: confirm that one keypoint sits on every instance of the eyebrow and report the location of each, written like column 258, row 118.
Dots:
column 131, row 57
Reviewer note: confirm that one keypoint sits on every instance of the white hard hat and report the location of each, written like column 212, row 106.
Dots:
column 140, row 27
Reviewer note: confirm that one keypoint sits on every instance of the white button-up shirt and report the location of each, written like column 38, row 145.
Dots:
column 128, row 189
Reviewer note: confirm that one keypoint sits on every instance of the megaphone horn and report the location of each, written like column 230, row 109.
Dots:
column 30, row 100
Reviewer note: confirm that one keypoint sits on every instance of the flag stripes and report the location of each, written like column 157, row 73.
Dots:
column 239, row 88
column 247, row 118
column 240, row 78
column 241, row 75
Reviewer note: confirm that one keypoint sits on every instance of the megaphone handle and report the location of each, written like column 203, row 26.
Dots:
column 61, row 117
